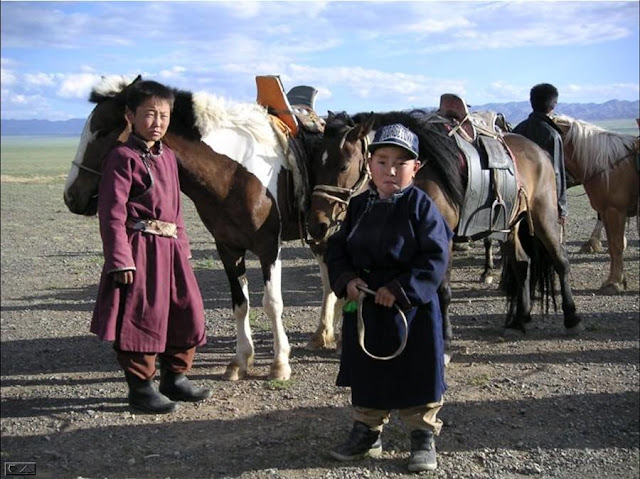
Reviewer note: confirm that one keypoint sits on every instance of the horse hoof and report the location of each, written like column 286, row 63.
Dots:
column 575, row 330
column 513, row 333
column 591, row 247
column 280, row 372
column 487, row 279
column 320, row 341
column 611, row 288
column 234, row 373
column 447, row 359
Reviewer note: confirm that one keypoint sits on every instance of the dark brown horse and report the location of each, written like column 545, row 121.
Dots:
column 235, row 169
column 603, row 161
column 533, row 252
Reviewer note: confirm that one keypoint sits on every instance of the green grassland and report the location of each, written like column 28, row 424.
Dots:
column 25, row 157
column 36, row 156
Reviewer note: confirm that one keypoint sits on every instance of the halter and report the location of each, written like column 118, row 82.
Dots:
column 329, row 192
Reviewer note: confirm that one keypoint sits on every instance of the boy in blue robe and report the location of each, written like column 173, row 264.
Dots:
column 395, row 242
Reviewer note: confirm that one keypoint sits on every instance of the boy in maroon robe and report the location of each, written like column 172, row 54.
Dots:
column 149, row 302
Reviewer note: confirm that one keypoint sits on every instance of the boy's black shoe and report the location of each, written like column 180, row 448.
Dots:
column 176, row 386
column 362, row 442
column 423, row 451
column 144, row 397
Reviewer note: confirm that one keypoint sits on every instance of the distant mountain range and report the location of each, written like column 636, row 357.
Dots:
column 513, row 111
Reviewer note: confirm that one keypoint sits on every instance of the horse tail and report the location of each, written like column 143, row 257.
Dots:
column 540, row 271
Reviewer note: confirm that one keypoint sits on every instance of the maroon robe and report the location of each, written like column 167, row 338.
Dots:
column 163, row 306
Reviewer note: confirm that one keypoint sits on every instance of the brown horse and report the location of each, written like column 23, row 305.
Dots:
column 235, row 169
column 603, row 161
column 533, row 249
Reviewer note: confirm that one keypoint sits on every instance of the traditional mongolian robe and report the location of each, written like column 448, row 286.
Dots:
column 402, row 243
column 163, row 306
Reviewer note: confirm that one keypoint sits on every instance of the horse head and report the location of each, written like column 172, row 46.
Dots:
column 339, row 171
column 104, row 128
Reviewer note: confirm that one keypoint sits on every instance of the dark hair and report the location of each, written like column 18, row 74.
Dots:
column 543, row 97
column 142, row 90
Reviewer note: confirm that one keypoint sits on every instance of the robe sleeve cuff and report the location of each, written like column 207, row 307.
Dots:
column 117, row 270
column 401, row 297
column 340, row 286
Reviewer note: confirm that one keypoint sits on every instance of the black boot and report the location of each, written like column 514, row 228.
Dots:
column 177, row 386
column 423, row 451
column 363, row 441
column 143, row 396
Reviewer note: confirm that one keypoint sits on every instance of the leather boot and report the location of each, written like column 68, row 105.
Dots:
column 176, row 386
column 423, row 451
column 363, row 441
column 143, row 396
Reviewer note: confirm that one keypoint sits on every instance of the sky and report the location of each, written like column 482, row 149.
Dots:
column 360, row 56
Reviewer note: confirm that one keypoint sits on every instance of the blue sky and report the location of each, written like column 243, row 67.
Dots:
column 361, row 56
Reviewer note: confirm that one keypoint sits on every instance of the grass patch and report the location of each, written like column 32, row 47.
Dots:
column 278, row 384
column 37, row 157
column 479, row 380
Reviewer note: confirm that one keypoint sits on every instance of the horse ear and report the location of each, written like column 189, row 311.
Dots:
column 138, row 78
column 330, row 115
column 369, row 123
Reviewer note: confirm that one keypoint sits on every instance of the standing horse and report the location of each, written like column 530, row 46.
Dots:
column 234, row 169
column 603, row 161
column 533, row 249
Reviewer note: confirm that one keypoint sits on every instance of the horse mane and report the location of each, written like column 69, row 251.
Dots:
column 436, row 148
column 109, row 87
column 195, row 115
column 595, row 148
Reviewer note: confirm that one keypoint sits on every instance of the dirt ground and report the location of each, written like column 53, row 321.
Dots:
column 542, row 406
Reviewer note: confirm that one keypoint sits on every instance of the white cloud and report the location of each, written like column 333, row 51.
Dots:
column 40, row 79
column 7, row 77
column 77, row 85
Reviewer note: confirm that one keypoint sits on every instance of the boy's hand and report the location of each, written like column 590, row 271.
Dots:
column 385, row 297
column 123, row 277
column 352, row 288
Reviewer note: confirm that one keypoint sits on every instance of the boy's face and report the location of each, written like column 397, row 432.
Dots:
column 392, row 169
column 150, row 121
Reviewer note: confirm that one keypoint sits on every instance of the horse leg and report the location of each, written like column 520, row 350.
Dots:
column 487, row 275
column 444, row 298
column 593, row 244
column 273, row 307
column 324, row 336
column 614, row 223
column 516, row 283
column 547, row 231
column 233, row 261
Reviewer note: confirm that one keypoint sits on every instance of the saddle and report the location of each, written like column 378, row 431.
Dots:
column 291, row 114
column 295, row 109
column 491, row 193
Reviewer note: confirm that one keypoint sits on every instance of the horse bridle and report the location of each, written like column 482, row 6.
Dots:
column 340, row 194
column 86, row 168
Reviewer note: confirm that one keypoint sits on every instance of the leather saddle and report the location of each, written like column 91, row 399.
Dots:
column 491, row 192
column 295, row 109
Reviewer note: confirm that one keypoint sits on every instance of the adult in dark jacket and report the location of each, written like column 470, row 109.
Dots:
column 539, row 128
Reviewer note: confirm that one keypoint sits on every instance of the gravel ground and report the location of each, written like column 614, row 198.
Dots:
column 542, row 406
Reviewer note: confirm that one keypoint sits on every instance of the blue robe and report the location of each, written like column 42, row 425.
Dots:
column 401, row 243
